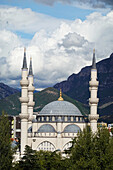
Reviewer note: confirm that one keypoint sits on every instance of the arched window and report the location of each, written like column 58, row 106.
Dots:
column 67, row 146
column 46, row 146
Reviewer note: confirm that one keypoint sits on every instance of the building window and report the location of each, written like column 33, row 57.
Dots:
column 74, row 119
column 50, row 118
column 69, row 118
column 47, row 146
column 62, row 118
column 67, row 146
column 56, row 118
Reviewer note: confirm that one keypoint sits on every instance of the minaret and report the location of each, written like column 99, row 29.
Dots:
column 59, row 126
column 24, row 104
column 30, row 95
column 93, row 101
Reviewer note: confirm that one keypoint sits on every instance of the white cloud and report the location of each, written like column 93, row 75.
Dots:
column 73, row 40
column 98, row 29
column 25, row 20
column 64, row 50
column 8, row 41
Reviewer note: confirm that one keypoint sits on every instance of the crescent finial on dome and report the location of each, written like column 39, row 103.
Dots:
column 60, row 98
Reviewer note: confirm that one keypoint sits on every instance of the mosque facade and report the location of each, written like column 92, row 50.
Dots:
column 59, row 121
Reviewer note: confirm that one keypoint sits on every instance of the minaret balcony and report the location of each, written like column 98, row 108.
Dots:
column 31, row 104
column 93, row 117
column 93, row 83
column 24, row 99
column 31, row 88
column 24, row 82
column 93, row 100
column 23, row 116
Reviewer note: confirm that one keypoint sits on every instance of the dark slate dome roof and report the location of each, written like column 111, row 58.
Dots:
column 60, row 108
column 71, row 129
column 46, row 128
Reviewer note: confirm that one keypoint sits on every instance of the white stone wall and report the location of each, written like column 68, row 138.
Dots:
column 58, row 140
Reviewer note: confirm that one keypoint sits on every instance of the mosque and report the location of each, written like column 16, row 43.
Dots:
column 59, row 121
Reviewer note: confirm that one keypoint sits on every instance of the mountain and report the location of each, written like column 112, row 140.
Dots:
column 11, row 104
column 5, row 90
column 77, row 87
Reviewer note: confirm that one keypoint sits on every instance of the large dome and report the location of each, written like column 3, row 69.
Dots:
column 60, row 108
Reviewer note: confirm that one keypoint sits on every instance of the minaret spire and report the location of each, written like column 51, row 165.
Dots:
column 30, row 68
column 94, row 60
column 93, row 100
column 24, row 104
column 24, row 60
column 30, row 95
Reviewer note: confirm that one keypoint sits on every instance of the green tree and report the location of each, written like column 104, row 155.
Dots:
column 81, row 153
column 28, row 160
column 5, row 144
column 109, row 155
column 103, row 149
column 92, row 151
column 42, row 160
column 49, row 160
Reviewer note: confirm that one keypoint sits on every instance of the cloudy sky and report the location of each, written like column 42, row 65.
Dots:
column 59, row 35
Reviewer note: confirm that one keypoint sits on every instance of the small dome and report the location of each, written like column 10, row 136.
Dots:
column 60, row 108
column 71, row 129
column 46, row 129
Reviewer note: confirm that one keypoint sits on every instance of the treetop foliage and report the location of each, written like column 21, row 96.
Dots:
column 5, row 144
column 88, row 152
